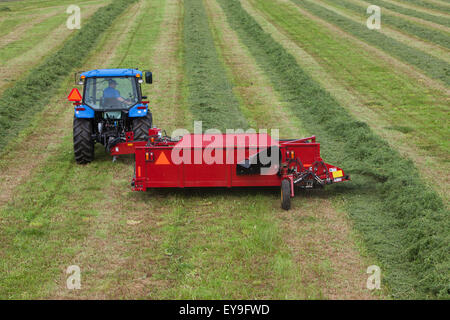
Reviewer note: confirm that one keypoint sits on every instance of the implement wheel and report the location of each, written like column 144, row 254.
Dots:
column 286, row 194
column 141, row 126
column 83, row 145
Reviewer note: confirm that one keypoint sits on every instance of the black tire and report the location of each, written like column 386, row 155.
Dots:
column 83, row 145
column 286, row 194
column 141, row 126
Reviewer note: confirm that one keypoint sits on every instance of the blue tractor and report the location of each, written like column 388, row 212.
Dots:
column 110, row 109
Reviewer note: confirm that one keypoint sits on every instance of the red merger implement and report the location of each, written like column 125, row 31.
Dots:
column 231, row 160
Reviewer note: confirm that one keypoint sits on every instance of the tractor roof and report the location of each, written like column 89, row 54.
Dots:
column 111, row 73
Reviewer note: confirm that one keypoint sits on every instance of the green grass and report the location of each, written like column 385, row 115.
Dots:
column 413, row 13
column 33, row 92
column 7, row 25
column 429, row 5
column 31, row 38
column 47, row 222
column 394, row 96
column 147, row 30
column 431, row 66
column 210, row 94
column 422, row 32
column 225, row 244
column 38, row 5
column 403, row 222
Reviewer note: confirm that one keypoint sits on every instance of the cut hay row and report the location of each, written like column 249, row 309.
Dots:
column 37, row 88
column 13, row 29
column 18, row 67
column 430, row 4
column 211, row 98
column 443, row 19
column 404, row 38
column 383, row 88
column 401, row 23
column 386, row 199
column 430, row 65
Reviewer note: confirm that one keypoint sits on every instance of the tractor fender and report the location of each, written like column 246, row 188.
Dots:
column 83, row 112
column 139, row 110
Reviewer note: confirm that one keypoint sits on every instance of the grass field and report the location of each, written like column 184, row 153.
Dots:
column 378, row 106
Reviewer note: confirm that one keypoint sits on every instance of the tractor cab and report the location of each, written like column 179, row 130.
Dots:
column 110, row 107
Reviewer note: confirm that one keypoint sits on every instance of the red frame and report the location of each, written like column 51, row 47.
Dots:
column 150, row 173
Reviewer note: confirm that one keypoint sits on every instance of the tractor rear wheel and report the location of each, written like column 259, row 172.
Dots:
column 83, row 145
column 141, row 126
column 286, row 194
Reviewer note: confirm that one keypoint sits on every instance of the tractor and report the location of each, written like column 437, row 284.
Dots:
column 111, row 111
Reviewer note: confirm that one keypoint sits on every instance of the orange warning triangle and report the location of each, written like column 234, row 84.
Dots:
column 74, row 95
column 162, row 159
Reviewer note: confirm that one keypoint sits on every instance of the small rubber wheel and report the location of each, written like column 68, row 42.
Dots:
column 286, row 194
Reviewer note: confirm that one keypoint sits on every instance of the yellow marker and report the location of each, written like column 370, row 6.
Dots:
column 337, row 174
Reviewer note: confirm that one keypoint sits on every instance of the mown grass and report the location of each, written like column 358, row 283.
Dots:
column 7, row 25
column 431, row 66
column 130, row 54
column 28, row 6
column 210, row 93
column 423, row 32
column 47, row 222
column 394, row 96
column 31, row 38
column 19, row 103
column 428, row 4
column 225, row 244
column 401, row 220
column 413, row 13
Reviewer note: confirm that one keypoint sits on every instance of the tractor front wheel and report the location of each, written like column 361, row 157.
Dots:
column 286, row 194
column 83, row 145
column 141, row 126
